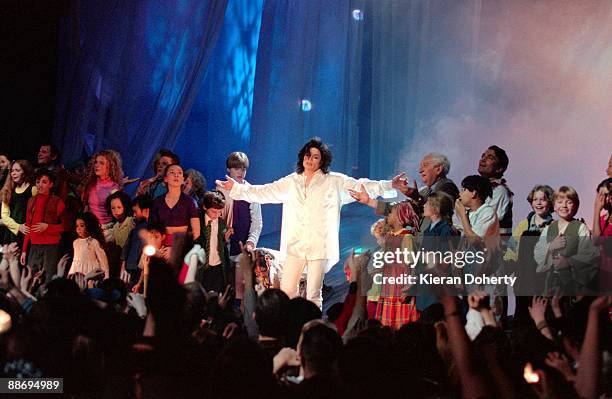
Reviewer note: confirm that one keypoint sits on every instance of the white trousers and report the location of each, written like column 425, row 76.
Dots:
column 292, row 271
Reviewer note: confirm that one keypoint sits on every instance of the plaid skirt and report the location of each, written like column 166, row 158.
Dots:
column 390, row 311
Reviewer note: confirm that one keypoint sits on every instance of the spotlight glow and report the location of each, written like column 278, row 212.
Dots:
column 306, row 105
column 357, row 15
column 149, row 250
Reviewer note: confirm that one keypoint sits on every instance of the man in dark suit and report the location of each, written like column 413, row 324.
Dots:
column 433, row 170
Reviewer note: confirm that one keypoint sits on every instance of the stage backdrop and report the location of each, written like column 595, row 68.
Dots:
column 129, row 72
column 383, row 82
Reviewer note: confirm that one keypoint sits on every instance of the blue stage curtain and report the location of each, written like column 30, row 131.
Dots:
column 306, row 51
column 129, row 73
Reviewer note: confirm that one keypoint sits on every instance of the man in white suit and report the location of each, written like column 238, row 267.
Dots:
column 311, row 198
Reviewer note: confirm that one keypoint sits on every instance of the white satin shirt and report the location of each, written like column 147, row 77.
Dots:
column 311, row 215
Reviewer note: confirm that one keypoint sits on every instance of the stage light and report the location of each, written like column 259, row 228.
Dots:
column 530, row 376
column 5, row 321
column 149, row 250
column 357, row 15
column 305, row 105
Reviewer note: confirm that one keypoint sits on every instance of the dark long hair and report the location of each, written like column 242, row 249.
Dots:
column 326, row 155
column 93, row 226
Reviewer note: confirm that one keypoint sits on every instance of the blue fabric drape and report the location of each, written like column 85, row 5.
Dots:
column 221, row 113
column 129, row 73
column 306, row 51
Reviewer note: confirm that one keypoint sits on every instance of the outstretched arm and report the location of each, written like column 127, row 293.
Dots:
column 373, row 188
column 271, row 193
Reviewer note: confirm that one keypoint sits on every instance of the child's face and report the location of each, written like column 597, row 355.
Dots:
column 117, row 208
column 430, row 211
column 81, row 230
column 214, row 213
column 393, row 219
column 44, row 184
column 140, row 214
column 17, row 173
column 565, row 207
column 174, row 176
column 608, row 198
column 157, row 238
column 540, row 204
column 238, row 174
column 101, row 167
column 466, row 196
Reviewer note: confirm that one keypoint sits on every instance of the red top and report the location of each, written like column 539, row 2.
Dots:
column 52, row 234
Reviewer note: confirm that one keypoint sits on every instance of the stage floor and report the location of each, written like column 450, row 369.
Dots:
column 355, row 223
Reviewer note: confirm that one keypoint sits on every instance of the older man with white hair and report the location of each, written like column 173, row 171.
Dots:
column 433, row 169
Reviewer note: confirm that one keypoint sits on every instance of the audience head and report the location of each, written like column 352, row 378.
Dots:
column 609, row 169
column 21, row 172
column 5, row 162
column 319, row 348
column 105, row 164
column 403, row 214
column 438, row 206
column 213, row 204
column 605, row 188
column 493, row 162
column 313, row 156
column 378, row 231
column 157, row 234
column 475, row 190
column 237, row 164
column 173, row 176
column 87, row 225
column 163, row 158
column 47, row 154
column 45, row 180
column 272, row 313
column 142, row 206
column 119, row 205
column 566, row 202
column 195, row 184
column 540, row 198
column 251, row 376
column 302, row 311
column 433, row 167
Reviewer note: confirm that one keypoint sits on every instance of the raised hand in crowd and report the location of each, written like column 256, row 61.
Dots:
column 479, row 301
column 137, row 301
column 61, row 265
column 26, row 279
column 124, row 275
column 286, row 357
column 225, row 297
column 246, row 266
column 79, row 279
column 555, row 304
column 537, row 311
column 229, row 330
column 560, row 362
column 11, row 254
column 587, row 376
